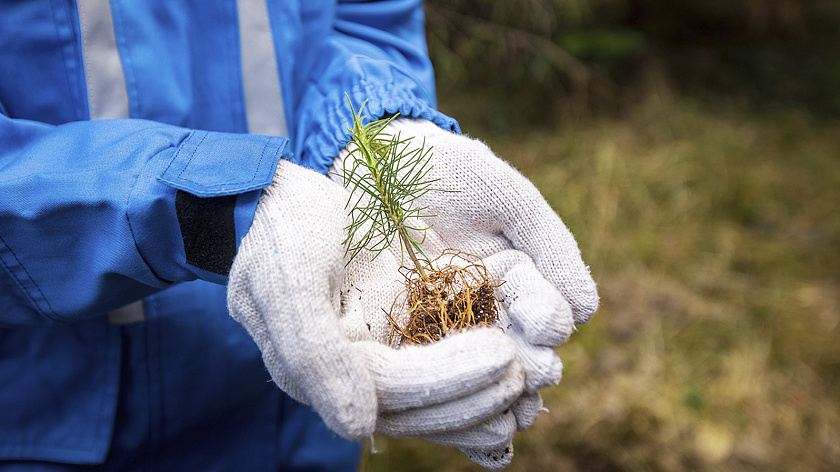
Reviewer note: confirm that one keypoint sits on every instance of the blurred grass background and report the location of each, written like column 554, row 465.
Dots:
column 693, row 148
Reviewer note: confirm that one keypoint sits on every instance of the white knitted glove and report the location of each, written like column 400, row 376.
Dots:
column 285, row 288
column 371, row 285
column 492, row 211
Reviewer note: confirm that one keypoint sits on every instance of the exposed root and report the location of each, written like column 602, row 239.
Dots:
column 447, row 300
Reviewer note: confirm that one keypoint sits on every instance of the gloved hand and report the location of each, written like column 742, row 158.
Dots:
column 490, row 210
column 370, row 287
column 285, row 288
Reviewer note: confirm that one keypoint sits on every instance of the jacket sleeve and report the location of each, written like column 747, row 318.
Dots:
column 376, row 54
column 95, row 215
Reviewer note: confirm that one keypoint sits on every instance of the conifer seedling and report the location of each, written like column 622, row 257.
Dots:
column 387, row 176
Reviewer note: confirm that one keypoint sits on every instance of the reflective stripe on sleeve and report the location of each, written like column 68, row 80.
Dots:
column 106, row 89
column 260, row 77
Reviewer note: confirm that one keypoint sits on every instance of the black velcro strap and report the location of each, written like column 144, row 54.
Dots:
column 208, row 230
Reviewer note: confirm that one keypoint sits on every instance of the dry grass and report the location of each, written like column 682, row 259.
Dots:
column 715, row 239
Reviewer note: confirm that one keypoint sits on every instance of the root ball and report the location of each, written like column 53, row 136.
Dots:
column 456, row 294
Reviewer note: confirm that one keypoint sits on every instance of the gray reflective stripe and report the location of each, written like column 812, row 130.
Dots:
column 260, row 78
column 131, row 313
column 107, row 94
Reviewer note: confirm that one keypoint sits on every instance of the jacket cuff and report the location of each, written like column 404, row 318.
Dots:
column 207, row 187
column 321, row 145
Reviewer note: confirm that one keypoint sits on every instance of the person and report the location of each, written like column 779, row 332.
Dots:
column 162, row 168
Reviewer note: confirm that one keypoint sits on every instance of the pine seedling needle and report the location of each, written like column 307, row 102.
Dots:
column 393, row 175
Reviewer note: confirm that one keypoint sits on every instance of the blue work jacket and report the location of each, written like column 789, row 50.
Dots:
column 135, row 137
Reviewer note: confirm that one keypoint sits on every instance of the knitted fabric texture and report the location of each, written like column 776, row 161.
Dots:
column 490, row 210
column 322, row 331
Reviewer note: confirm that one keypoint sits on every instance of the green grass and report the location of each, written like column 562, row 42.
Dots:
column 714, row 236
